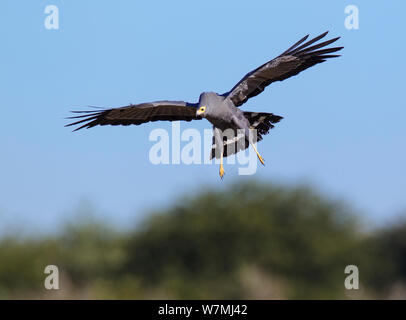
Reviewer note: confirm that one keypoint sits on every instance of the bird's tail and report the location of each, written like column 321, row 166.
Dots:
column 262, row 121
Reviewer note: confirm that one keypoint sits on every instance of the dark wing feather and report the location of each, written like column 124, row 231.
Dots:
column 297, row 58
column 260, row 121
column 137, row 114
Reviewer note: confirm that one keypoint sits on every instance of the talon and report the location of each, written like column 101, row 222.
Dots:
column 221, row 172
column 261, row 160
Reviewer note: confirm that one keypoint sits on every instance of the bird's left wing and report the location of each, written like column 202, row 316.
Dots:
column 297, row 58
column 136, row 114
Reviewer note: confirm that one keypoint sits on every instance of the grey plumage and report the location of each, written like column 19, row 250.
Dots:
column 222, row 109
column 262, row 122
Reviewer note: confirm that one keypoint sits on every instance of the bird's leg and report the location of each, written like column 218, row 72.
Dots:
column 259, row 156
column 218, row 139
column 221, row 165
column 251, row 135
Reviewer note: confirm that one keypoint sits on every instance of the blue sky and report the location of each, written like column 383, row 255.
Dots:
column 344, row 121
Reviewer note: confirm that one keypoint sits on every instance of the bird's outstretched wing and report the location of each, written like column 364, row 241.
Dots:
column 136, row 114
column 297, row 58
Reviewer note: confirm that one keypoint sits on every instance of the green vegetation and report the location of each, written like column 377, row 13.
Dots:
column 251, row 241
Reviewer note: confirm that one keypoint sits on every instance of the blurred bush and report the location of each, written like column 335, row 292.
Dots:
column 252, row 241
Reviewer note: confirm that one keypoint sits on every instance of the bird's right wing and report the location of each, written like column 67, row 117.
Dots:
column 137, row 114
column 293, row 61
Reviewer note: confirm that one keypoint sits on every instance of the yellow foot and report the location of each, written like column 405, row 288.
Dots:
column 221, row 171
column 261, row 159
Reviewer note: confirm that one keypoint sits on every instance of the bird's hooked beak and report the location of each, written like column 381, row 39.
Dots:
column 201, row 111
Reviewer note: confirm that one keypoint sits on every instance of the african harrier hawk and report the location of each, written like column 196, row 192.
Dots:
column 222, row 109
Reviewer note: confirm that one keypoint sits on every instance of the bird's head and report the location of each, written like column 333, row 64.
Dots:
column 200, row 112
column 208, row 102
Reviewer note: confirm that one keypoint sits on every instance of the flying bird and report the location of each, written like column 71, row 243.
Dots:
column 222, row 110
